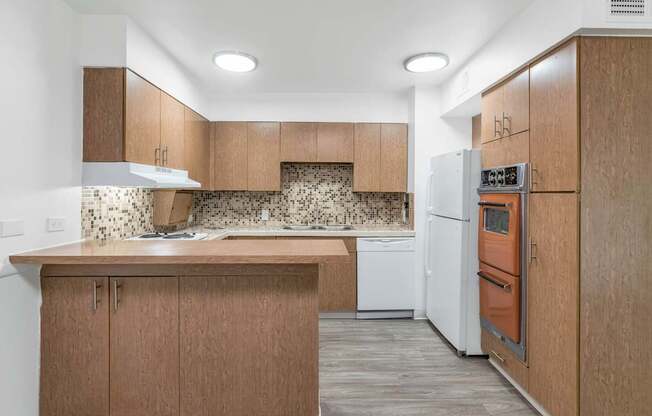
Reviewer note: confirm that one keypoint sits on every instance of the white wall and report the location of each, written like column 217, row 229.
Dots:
column 39, row 174
column 103, row 40
column 433, row 135
column 311, row 107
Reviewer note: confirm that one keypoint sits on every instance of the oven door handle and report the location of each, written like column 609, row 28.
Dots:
column 504, row 286
column 494, row 204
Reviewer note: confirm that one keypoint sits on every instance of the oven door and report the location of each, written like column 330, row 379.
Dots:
column 500, row 301
column 499, row 232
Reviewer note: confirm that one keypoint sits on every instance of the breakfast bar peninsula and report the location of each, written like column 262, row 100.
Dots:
column 191, row 328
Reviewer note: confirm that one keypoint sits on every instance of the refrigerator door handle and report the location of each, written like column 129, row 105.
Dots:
column 429, row 206
column 427, row 251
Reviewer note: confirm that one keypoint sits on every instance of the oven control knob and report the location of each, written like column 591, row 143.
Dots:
column 492, row 180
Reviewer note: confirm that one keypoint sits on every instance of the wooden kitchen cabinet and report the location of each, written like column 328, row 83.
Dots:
column 229, row 149
column 492, row 110
column 144, row 346
column 506, row 151
column 298, row 142
column 393, row 157
column 504, row 358
column 554, row 119
column 553, row 309
column 366, row 163
column 172, row 133
column 335, row 142
column 380, row 163
column 74, row 346
column 142, row 121
column 197, row 147
column 506, row 108
column 338, row 282
column 263, row 156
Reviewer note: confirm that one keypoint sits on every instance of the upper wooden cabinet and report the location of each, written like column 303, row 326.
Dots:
column 229, row 149
column 366, row 164
column 142, row 121
column 505, row 109
column 197, row 147
column 554, row 131
column 335, row 142
column 172, row 132
column 393, row 157
column 263, row 156
column 506, row 151
column 298, row 142
column 128, row 119
column 380, row 163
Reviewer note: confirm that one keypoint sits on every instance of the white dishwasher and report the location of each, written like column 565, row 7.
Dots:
column 386, row 274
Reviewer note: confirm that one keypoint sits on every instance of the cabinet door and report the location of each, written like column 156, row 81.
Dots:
column 142, row 121
column 506, row 151
column 145, row 346
column 366, row 165
column 516, row 104
column 257, row 367
column 553, row 302
column 299, row 142
column 554, row 136
column 197, row 146
column 393, row 157
column 74, row 346
column 335, row 142
column 229, row 156
column 492, row 113
column 172, row 132
column 263, row 157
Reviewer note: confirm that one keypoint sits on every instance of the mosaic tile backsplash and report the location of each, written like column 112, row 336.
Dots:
column 112, row 213
column 309, row 194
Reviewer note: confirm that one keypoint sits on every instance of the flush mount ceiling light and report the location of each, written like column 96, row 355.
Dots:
column 426, row 62
column 235, row 61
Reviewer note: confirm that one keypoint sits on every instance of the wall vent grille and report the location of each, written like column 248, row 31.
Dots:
column 628, row 8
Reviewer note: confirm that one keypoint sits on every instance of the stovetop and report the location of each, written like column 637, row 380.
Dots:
column 170, row 236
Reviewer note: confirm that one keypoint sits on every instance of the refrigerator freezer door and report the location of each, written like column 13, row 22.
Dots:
column 447, row 286
column 449, row 189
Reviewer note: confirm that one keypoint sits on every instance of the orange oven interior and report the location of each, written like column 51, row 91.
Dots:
column 499, row 232
column 500, row 297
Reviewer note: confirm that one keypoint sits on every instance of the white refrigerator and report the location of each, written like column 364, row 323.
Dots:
column 452, row 303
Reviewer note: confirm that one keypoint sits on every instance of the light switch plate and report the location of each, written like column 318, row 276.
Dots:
column 56, row 224
column 264, row 215
column 12, row 228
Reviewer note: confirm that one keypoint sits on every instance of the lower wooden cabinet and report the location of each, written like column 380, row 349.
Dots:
column 144, row 346
column 553, row 302
column 338, row 283
column 502, row 356
column 74, row 346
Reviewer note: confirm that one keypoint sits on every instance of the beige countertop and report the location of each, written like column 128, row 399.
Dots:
column 277, row 230
column 189, row 252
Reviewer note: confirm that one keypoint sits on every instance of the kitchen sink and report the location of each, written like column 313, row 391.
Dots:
column 318, row 227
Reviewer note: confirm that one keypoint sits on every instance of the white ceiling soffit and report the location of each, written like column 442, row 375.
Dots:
column 312, row 46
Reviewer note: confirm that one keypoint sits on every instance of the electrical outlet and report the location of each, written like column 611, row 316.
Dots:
column 11, row 228
column 56, row 224
column 264, row 215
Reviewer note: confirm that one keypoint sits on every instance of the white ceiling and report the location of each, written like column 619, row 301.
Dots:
column 314, row 46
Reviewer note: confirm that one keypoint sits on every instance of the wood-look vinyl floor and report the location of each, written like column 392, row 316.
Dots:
column 402, row 368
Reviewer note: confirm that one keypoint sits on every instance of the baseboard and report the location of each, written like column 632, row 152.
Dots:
column 337, row 315
column 385, row 315
column 533, row 403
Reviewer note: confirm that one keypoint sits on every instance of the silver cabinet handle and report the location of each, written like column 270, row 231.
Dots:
column 116, row 300
column 96, row 299
column 165, row 156
column 506, row 117
column 504, row 286
column 532, row 246
column 498, row 357
column 532, row 170
column 497, row 130
column 157, row 155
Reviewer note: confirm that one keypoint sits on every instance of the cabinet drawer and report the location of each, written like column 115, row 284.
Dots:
column 502, row 356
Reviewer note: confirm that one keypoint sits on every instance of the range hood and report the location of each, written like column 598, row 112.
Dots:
column 135, row 174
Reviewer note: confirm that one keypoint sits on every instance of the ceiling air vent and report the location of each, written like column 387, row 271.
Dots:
column 628, row 9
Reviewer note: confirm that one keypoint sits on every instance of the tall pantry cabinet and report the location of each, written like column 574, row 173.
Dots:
column 590, row 224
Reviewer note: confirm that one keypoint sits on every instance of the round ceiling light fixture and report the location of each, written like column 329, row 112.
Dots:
column 426, row 62
column 235, row 61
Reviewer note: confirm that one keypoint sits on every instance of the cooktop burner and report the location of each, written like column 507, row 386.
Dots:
column 151, row 235
column 173, row 236
column 178, row 236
